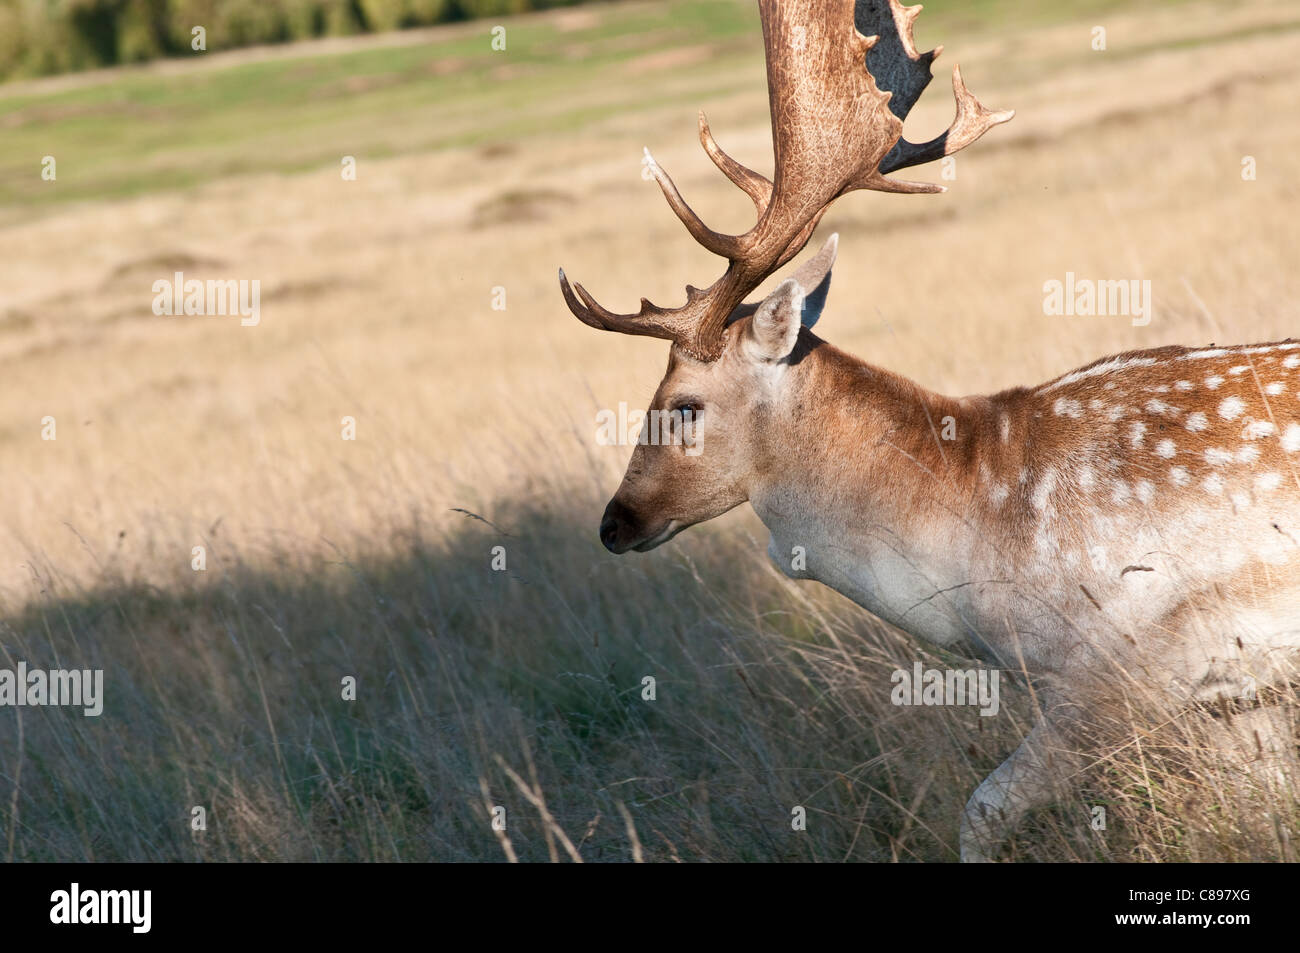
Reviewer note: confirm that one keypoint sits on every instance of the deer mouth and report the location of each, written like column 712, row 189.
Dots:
column 670, row 529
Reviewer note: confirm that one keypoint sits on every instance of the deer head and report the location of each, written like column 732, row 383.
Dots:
column 841, row 79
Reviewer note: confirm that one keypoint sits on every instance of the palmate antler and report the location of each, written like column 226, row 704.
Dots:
column 841, row 79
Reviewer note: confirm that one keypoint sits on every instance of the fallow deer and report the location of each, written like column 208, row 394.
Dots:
column 1139, row 515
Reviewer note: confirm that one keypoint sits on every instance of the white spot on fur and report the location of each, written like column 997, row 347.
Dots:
column 1265, row 348
column 1248, row 454
column 1120, row 493
column 1179, row 476
column 1213, row 484
column 1216, row 457
column 1275, row 388
column 1166, row 448
column 1196, row 422
column 1146, row 491
column 1183, row 386
column 1240, row 499
column 1268, row 481
column 998, row 495
column 1136, row 431
column 1043, row 492
column 1258, row 429
column 1230, row 408
column 1065, row 407
column 1105, row 367
column 1291, row 438
column 1238, row 370
column 1291, row 361
column 1213, row 382
column 1005, row 425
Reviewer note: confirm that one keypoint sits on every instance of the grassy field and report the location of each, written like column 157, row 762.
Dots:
column 478, row 173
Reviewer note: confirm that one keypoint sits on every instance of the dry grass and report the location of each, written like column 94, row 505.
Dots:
column 329, row 558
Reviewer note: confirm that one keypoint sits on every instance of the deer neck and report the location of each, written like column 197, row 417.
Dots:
column 866, row 481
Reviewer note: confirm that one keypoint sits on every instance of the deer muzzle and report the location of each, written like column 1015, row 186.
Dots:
column 622, row 528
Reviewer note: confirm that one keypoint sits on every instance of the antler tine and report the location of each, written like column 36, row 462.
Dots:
column 727, row 246
column 594, row 317
column 669, row 324
column 758, row 187
column 972, row 121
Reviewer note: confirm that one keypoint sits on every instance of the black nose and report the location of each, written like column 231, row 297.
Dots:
column 612, row 523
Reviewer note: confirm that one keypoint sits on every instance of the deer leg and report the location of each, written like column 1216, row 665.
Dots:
column 1027, row 779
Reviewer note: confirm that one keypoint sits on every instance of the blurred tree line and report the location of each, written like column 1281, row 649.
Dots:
column 38, row 37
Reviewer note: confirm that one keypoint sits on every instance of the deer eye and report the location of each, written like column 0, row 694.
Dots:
column 692, row 407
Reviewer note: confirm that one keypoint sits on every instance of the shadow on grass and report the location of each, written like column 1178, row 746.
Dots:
column 689, row 704
column 476, row 688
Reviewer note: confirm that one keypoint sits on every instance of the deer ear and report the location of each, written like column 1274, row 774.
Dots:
column 815, row 276
column 775, row 325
